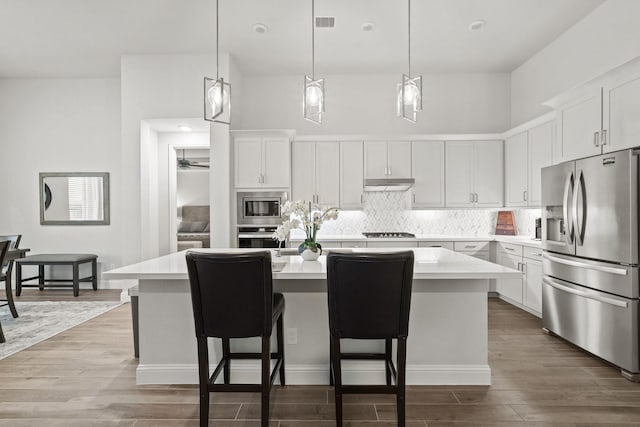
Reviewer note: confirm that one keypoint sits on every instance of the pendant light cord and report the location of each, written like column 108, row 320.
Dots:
column 313, row 40
column 217, row 43
column 409, row 33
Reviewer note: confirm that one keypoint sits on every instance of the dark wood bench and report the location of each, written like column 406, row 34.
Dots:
column 42, row 260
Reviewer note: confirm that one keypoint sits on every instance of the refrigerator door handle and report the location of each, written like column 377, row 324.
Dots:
column 571, row 263
column 583, row 294
column 568, row 225
column 578, row 223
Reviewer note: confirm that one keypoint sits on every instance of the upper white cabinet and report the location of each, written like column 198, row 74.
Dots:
column 474, row 173
column 351, row 175
column 427, row 166
column 526, row 153
column 314, row 166
column 387, row 159
column 602, row 116
column 262, row 162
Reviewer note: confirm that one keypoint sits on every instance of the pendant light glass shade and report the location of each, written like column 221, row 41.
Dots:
column 313, row 92
column 313, row 99
column 217, row 93
column 409, row 97
column 217, row 100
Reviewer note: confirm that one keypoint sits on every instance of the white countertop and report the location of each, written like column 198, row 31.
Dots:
column 430, row 263
column 516, row 240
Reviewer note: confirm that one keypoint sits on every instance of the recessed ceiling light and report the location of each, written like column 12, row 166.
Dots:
column 368, row 26
column 260, row 28
column 477, row 24
column 184, row 128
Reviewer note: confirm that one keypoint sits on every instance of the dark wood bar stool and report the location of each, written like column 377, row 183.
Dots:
column 232, row 296
column 369, row 298
column 6, row 267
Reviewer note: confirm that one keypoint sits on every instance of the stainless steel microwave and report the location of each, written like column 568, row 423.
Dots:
column 260, row 208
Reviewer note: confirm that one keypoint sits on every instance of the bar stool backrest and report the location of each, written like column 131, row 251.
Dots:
column 232, row 294
column 14, row 241
column 369, row 294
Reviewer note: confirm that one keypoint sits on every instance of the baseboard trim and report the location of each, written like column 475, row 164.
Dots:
column 353, row 373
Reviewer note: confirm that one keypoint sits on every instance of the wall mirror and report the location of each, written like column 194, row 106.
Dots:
column 74, row 198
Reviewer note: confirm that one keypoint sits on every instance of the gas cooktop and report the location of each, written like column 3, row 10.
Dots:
column 389, row 235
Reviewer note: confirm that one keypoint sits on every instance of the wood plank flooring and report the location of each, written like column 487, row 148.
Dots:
column 86, row 377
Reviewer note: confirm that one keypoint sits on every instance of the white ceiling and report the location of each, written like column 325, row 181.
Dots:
column 85, row 38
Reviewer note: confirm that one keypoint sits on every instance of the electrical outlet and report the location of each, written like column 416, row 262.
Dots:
column 112, row 266
column 292, row 336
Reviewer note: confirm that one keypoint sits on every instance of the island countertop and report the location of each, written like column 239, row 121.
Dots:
column 430, row 263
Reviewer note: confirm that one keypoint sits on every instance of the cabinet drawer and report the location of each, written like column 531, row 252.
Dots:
column 510, row 248
column 396, row 244
column 354, row 244
column 470, row 246
column 432, row 244
column 532, row 253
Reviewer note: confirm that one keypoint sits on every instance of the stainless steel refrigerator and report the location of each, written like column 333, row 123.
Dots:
column 590, row 291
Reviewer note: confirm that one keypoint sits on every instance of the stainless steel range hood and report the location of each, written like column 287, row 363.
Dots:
column 388, row 184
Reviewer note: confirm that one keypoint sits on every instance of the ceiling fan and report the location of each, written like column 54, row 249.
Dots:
column 185, row 163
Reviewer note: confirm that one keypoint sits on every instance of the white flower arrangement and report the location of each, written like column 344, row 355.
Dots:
column 299, row 214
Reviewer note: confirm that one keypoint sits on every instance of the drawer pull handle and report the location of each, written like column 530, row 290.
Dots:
column 470, row 247
column 510, row 249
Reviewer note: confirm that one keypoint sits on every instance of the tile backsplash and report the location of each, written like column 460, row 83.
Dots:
column 391, row 211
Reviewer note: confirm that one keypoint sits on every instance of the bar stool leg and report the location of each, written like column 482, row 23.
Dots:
column 203, row 371
column 402, row 368
column 331, row 374
column 387, row 363
column 226, row 349
column 266, row 380
column 337, row 374
column 280, row 339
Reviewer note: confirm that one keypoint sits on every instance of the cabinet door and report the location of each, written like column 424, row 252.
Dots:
column 459, row 173
column 515, row 163
column 399, row 159
column 489, row 174
column 540, row 156
column 427, row 166
column 510, row 288
column 248, row 162
column 580, row 121
column 375, row 159
column 392, row 244
column 533, row 285
column 276, row 162
column 351, row 175
column 327, row 173
column 303, row 169
column 622, row 117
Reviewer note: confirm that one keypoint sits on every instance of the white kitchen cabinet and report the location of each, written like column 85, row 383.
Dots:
column 354, row 244
column 314, row 166
column 351, row 175
column 262, row 162
column 621, row 114
column 427, row 166
column 475, row 249
column 532, row 296
column 515, row 159
column 474, row 173
column 510, row 288
column 435, row 244
column 387, row 159
column 581, row 124
column 391, row 244
column 526, row 154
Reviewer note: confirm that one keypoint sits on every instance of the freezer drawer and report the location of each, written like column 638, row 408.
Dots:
column 602, row 324
column 603, row 276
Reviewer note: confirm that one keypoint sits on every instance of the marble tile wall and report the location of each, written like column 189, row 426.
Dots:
column 391, row 211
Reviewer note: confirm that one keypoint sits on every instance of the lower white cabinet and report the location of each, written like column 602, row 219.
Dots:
column 392, row 244
column 532, row 297
column 475, row 249
column 510, row 288
column 525, row 292
column 435, row 244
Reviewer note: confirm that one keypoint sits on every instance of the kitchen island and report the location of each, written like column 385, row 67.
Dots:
column 448, row 326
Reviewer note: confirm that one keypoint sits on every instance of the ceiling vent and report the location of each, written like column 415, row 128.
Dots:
column 325, row 21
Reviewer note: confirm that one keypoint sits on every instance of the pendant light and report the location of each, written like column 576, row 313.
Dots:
column 410, row 89
column 313, row 96
column 217, row 93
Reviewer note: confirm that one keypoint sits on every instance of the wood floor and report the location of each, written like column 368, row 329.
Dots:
column 86, row 377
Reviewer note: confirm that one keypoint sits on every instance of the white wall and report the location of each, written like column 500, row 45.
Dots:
column 59, row 125
column 193, row 187
column 365, row 104
column 604, row 39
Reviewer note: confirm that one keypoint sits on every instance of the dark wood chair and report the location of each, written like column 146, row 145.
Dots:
column 232, row 296
column 6, row 268
column 369, row 296
column 4, row 245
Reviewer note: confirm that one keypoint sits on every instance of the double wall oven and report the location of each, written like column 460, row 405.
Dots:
column 259, row 214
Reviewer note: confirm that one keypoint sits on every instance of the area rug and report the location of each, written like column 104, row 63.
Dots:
column 38, row 321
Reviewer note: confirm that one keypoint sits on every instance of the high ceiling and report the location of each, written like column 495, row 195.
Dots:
column 85, row 38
